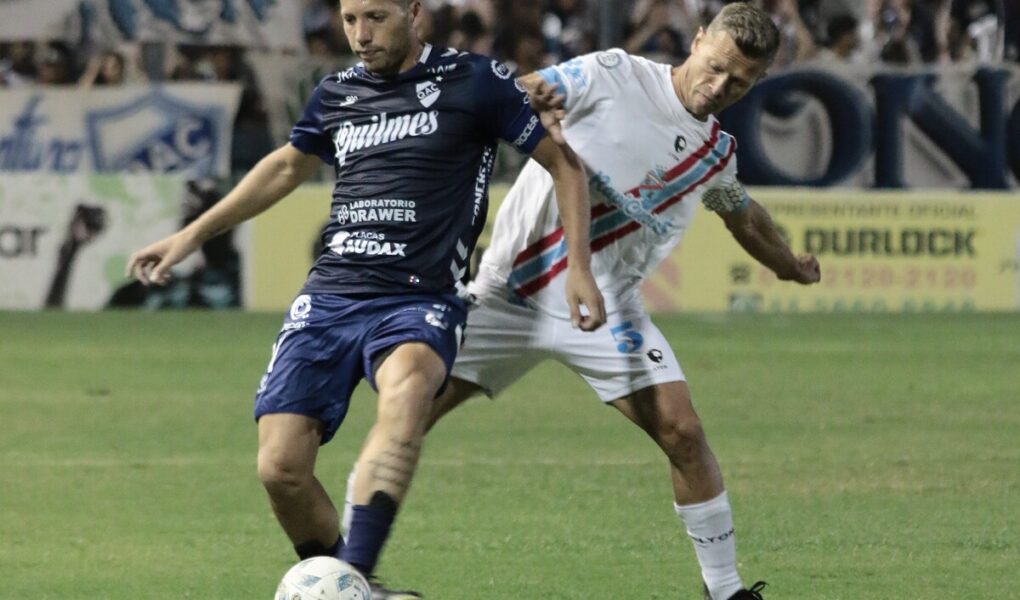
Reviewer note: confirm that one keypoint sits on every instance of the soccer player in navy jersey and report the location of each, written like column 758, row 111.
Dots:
column 411, row 133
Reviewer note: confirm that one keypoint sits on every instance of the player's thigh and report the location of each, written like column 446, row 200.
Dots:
column 502, row 342
column 411, row 350
column 315, row 363
column 624, row 356
column 408, row 379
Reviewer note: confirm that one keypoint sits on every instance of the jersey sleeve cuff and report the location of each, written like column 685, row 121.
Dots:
column 310, row 147
column 552, row 76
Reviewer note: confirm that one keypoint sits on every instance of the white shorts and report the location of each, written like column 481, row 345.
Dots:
column 503, row 341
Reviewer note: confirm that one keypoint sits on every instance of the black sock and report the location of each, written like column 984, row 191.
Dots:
column 313, row 548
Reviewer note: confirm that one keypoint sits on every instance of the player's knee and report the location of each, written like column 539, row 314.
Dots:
column 682, row 439
column 280, row 476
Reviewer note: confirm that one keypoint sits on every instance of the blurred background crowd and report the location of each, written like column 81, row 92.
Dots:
column 530, row 34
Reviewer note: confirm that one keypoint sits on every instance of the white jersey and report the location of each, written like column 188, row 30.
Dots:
column 650, row 164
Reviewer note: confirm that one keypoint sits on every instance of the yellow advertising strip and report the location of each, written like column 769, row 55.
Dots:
column 879, row 251
column 282, row 245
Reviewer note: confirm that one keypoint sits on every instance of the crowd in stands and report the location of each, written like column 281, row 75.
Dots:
column 530, row 34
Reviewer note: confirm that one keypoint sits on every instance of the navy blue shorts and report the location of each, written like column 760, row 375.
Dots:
column 328, row 344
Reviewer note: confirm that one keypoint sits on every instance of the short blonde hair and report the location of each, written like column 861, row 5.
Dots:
column 751, row 29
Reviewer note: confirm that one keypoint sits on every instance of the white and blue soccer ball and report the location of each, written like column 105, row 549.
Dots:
column 323, row 578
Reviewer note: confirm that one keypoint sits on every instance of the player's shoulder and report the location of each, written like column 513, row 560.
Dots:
column 614, row 62
column 476, row 64
column 710, row 130
column 722, row 134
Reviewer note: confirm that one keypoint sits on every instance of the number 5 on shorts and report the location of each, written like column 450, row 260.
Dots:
column 627, row 339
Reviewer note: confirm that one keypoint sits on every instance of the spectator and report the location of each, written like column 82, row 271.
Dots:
column 471, row 34
column 797, row 42
column 522, row 50
column 108, row 68
column 319, row 14
column 251, row 140
column 55, row 65
column 570, row 25
column 17, row 64
column 188, row 65
column 324, row 50
column 901, row 32
column 842, row 40
column 976, row 32
column 654, row 34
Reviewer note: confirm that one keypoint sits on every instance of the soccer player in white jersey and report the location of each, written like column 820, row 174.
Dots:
column 654, row 151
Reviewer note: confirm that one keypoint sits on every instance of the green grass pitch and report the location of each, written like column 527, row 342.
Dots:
column 867, row 457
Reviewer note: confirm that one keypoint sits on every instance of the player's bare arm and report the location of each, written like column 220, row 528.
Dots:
column 754, row 229
column 574, row 205
column 547, row 102
column 273, row 177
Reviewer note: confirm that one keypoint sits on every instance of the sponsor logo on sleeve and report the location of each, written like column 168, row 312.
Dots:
column 528, row 130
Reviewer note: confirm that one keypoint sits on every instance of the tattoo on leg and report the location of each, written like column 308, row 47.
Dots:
column 396, row 465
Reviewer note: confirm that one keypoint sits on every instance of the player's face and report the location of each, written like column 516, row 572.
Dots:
column 717, row 74
column 381, row 33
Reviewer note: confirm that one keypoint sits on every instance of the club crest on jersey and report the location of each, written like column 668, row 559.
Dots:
column 428, row 92
column 301, row 307
column 502, row 71
column 382, row 129
column 608, row 60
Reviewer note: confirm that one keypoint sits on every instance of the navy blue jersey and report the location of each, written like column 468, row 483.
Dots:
column 413, row 155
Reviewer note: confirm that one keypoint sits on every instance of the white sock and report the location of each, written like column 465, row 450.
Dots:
column 710, row 527
column 348, row 514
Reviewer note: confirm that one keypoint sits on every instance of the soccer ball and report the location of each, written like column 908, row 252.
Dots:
column 323, row 578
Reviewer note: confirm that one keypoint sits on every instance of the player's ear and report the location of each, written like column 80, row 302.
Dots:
column 697, row 39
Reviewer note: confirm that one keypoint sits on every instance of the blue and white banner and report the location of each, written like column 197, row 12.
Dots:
column 178, row 128
column 272, row 24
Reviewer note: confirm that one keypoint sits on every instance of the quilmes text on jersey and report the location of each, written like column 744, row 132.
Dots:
column 382, row 129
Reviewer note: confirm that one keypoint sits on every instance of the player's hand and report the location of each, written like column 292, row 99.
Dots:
column 151, row 264
column 582, row 290
column 549, row 106
column 808, row 271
